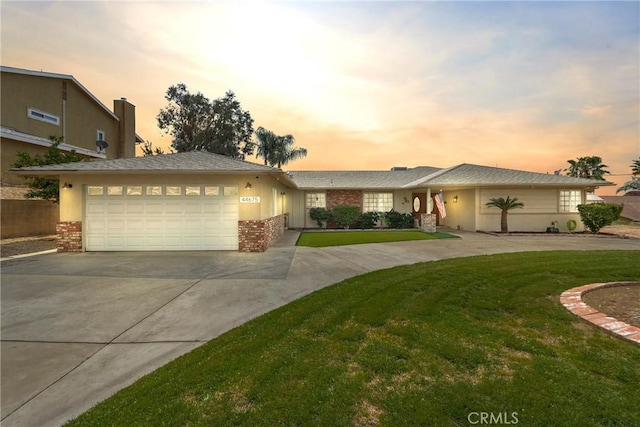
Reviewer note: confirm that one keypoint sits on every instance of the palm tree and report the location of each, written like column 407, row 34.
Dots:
column 634, row 183
column 267, row 142
column 277, row 150
column 590, row 167
column 635, row 167
column 505, row 205
column 285, row 152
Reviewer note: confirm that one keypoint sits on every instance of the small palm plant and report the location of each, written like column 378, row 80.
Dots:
column 505, row 205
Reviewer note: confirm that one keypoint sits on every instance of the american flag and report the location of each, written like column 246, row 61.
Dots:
column 440, row 204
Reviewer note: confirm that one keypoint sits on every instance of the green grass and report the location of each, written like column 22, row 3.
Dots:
column 425, row 344
column 338, row 238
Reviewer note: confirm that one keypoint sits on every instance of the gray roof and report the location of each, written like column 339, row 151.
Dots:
column 359, row 179
column 463, row 175
column 195, row 161
column 475, row 175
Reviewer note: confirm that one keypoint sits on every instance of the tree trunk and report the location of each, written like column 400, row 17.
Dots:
column 503, row 222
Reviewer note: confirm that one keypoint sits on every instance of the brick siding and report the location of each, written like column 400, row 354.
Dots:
column 69, row 236
column 258, row 235
column 344, row 197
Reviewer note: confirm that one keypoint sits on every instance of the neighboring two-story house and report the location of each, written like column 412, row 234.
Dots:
column 37, row 105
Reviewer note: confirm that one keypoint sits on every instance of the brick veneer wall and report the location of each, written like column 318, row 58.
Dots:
column 69, row 236
column 344, row 197
column 258, row 235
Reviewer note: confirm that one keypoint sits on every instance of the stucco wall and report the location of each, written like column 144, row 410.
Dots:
column 72, row 200
column 461, row 215
column 80, row 118
column 541, row 207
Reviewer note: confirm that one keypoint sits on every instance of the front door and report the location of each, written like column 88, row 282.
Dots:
column 419, row 206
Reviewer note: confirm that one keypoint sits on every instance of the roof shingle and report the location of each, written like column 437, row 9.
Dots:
column 177, row 162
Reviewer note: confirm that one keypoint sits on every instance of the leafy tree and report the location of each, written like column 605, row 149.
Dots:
column 590, row 167
column 42, row 187
column 634, row 183
column 598, row 215
column 220, row 126
column 320, row 216
column 345, row 215
column 505, row 205
column 149, row 150
column 277, row 150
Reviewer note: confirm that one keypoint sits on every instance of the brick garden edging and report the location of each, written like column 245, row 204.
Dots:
column 572, row 300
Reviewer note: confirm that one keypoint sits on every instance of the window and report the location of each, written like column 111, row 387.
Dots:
column 133, row 190
column 32, row 113
column 114, row 190
column 192, row 191
column 377, row 202
column 211, row 191
column 230, row 191
column 174, row 190
column 94, row 190
column 316, row 200
column 154, row 190
column 569, row 200
column 100, row 135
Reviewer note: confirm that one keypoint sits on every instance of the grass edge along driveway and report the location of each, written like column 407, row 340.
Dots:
column 319, row 239
column 428, row 344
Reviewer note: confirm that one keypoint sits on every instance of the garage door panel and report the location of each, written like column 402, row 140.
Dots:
column 135, row 208
column 174, row 208
column 154, row 208
column 148, row 222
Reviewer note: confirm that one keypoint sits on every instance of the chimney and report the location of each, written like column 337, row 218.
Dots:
column 126, row 112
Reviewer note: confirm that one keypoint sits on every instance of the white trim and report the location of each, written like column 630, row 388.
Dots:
column 43, row 142
column 35, row 114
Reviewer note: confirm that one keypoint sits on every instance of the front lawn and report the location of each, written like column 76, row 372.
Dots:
column 436, row 343
column 338, row 238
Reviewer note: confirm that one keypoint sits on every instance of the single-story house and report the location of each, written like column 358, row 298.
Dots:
column 205, row 201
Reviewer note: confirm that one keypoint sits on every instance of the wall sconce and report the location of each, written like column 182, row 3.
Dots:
column 248, row 186
column 283, row 193
column 455, row 199
column 67, row 185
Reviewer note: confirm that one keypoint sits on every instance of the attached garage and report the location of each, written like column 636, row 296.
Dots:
column 161, row 217
column 172, row 202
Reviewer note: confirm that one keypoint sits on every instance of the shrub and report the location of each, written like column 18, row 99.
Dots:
column 395, row 219
column 320, row 216
column 369, row 220
column 345, row 215
column 598, row 215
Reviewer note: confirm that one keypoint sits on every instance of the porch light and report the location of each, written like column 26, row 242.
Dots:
column 455, row 199
column 248, row 186
column 67, row 185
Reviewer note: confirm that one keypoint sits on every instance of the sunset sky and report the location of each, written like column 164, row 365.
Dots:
column 366, row 85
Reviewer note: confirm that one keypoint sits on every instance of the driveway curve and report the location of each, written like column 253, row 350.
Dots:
column 76, row 328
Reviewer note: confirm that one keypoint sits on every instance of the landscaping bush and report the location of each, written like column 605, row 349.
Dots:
column 395, row 219
column 598, row 215
column 345, row 215
column 320, row 216
column 369, row 220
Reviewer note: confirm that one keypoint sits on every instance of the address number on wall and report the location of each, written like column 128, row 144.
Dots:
column 250, row 199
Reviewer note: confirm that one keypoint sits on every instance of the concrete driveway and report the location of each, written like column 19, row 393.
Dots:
column 76, row 328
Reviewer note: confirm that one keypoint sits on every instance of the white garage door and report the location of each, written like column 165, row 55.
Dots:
column 161, row 217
